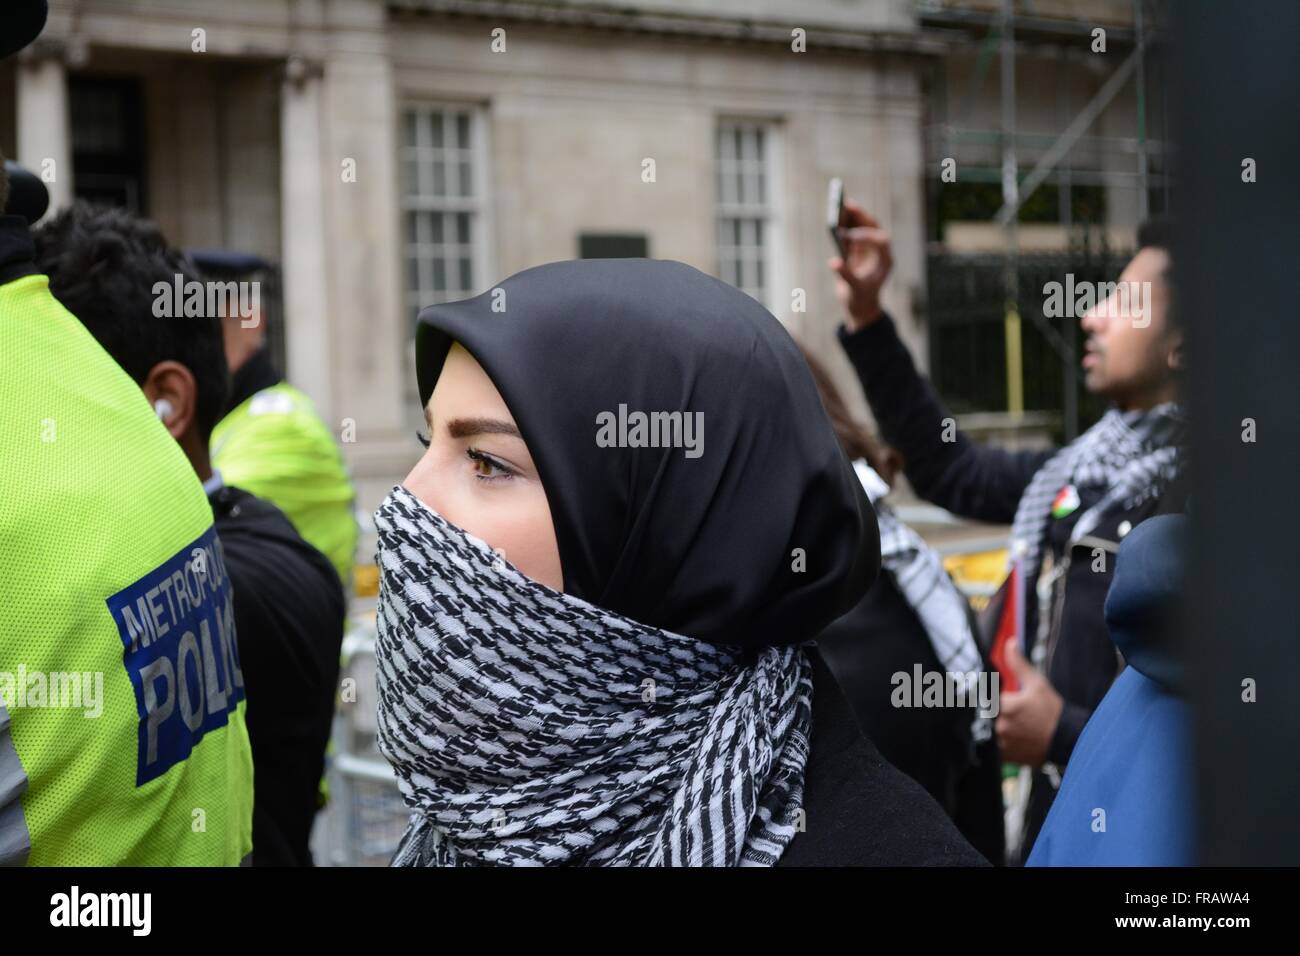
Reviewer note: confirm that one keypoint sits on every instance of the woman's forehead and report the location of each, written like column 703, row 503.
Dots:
column 464, row 391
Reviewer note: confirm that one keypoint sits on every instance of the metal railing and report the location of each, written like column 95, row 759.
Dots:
column 365, row 816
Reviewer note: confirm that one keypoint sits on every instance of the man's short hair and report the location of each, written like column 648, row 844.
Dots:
column 103, row 264
column 1158, row 233
column 4, row 184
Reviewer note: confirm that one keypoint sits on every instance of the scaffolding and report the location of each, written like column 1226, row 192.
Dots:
column 1001, row 38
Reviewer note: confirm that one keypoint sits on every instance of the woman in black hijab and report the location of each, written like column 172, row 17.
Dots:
column 597, row 585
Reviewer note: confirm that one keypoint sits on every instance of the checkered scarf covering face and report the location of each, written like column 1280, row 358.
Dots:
column 528, row 727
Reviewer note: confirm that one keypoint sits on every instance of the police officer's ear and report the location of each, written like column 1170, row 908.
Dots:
column 242, row 336
column 173, row 393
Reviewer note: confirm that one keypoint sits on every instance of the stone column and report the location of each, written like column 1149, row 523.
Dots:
column 371, row 325
column 44, row 138
column 303, row 227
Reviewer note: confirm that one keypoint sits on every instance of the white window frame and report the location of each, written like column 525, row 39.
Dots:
column 770, row 210
column 478, row 206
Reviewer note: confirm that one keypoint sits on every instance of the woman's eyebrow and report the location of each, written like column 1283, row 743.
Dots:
column 465, row 427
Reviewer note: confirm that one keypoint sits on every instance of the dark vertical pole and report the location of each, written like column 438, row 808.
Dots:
column 1166, row 134
column 1237, row 82
column 1065, row 209
column 1011, row 199
column 1140, row 85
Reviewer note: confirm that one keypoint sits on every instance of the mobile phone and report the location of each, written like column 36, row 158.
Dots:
column 835, row 213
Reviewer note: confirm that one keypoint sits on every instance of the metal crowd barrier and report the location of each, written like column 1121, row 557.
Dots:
column 365, row 816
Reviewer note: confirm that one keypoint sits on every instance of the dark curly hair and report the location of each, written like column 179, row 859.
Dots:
column 103, row 264
column 857, row 440
column 1158, row 233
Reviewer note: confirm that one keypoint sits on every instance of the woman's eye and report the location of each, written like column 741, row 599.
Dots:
column 487, row 468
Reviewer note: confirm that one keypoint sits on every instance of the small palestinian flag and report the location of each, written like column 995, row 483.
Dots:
column 1066, row 501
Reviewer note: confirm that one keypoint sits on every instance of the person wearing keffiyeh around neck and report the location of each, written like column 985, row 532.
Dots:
column 913, row 625
column 599, row 585
column 1069, row 509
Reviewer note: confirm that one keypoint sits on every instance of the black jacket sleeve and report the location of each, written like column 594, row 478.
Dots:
column 860, row 810
column 1068, row 728
column 289, row 614
column 970, row 480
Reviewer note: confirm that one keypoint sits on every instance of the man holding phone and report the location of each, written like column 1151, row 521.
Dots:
column 1068, row 508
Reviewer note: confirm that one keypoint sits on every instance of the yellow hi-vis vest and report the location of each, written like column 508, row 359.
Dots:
column 275, row 446
column 122, row 734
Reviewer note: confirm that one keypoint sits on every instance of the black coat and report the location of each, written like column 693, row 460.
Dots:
column 860, row 810
column 986, row 484
column 864, row 649
column 289, row 613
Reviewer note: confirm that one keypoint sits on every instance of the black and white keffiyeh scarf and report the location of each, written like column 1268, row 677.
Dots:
column 1132, row 455
column 528, row 727
column 919, row 575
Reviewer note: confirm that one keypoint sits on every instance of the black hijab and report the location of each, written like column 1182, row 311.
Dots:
column 699, row 546
column 21, row 22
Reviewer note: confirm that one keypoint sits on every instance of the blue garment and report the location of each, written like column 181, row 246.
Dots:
column 1127, row 796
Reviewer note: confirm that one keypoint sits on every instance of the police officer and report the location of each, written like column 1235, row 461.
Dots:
column 272, row 442
column 109, row 268
column 122, row 715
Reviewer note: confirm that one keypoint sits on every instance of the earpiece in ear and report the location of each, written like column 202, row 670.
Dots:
column 162, row 408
